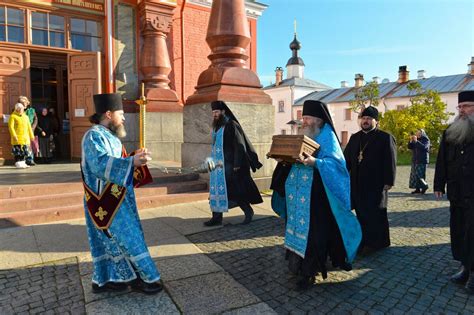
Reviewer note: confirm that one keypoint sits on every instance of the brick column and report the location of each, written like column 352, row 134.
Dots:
column 228, row 77
column 164, row 123
column 156, row 19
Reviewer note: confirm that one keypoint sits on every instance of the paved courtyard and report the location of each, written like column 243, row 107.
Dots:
column 410, row 276
column 238, row 269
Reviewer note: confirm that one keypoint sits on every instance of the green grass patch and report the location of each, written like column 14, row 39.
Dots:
column 404, row 158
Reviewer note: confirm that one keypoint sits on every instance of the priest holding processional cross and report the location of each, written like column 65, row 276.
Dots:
column 119, row 253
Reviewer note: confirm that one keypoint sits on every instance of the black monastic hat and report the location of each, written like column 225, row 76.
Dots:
column 370, row 111
column 466, row 96
column 106, row 102
column 218, row 105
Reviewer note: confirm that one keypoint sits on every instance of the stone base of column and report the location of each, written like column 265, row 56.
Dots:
column 164, row 136
column 163, row 100
column 255, row 119
column 238, row 94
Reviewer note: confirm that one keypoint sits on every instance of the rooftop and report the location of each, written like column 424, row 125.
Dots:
column 444, row 84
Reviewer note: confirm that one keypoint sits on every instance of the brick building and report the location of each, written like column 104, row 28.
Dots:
column 61, row 52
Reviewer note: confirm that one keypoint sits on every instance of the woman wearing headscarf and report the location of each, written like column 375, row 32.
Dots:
column 420, row 146
column 44, row 130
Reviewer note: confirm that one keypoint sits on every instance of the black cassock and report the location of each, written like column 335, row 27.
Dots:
column 324, row 237
column 239, row 153
column 368, row 177
column 455, row 169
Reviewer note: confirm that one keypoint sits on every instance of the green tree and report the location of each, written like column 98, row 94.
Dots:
column 367, row 95
column 426, row 111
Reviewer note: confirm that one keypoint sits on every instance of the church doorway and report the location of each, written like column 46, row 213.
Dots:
column 49, row 88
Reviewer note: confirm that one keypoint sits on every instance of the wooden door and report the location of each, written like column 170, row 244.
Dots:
column 83, row 81
column 14, row 81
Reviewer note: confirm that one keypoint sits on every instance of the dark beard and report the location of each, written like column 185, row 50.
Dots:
column 461, row 130
column 218, row 123
column 119, row 130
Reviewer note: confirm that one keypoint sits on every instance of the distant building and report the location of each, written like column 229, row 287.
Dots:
column 285, row 92
column 395, row 95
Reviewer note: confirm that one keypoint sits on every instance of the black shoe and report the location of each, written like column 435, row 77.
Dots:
column 461, row 276
column 303, row 283
column 470, row 284
column 416, row 191
column 148, row 288
column 424, row 190
column 213, row 222
column 248, row 217
column 109, row 287
column 30, row 163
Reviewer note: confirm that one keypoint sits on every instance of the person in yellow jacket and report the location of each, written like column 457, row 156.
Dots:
column 21, row 135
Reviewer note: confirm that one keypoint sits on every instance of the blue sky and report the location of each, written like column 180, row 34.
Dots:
column 342, row 37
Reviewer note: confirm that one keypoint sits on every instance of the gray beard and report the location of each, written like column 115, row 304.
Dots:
column 461, row 130
column 310, row 131
column 119, row 131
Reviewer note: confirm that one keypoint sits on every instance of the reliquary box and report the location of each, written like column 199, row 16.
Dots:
column 289, row 147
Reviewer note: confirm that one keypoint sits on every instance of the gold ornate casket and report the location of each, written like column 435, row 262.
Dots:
column 289, row 147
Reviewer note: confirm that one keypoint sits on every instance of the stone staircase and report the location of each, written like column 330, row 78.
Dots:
column 40, row 203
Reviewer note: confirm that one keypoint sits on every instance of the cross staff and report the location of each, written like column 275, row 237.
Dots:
column 142, row 103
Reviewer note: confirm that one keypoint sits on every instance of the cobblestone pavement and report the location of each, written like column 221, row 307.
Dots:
column 44, row 289
column 410, row 276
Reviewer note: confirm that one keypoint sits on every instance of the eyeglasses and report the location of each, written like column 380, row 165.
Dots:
column 465, row 106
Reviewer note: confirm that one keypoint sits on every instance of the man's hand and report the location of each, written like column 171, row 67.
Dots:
column 141, row 157
column 438, row 194
column 306, row 159
column 413, row 139
column 43, row 133
column 387, row 187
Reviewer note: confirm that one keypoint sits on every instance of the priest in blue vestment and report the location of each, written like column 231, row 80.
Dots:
column 319, row 220
column 231, row 185
column 119, row 253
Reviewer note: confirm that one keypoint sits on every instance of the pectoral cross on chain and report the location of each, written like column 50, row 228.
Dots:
column 361, row 157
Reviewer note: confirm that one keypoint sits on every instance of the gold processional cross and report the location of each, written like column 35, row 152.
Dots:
column 142, row 103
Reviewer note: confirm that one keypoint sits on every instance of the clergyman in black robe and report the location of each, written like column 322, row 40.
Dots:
column 239, row 158
column 371, row 161
column 333, row 231
column 455, row 169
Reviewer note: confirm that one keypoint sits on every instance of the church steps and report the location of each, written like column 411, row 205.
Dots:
column 76, row 211
column 60, row 198
column 31, row 190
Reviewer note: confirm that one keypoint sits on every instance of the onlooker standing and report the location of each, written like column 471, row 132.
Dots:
column 33, row 119
column 44, row 130
column 420, row 146
column 56, row 125
column 21, row 135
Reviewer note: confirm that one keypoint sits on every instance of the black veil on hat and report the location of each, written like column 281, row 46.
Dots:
column 250, row 151
column 320, row 110
column 370, row 111
column 466, row 96
column 107, row 101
